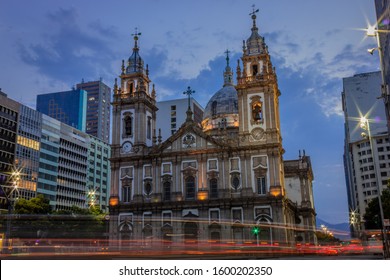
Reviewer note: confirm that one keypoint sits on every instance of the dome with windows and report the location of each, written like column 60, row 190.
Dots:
column 222, row 110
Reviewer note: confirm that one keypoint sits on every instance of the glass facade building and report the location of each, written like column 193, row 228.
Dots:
column 68, row 107
column 98, row 109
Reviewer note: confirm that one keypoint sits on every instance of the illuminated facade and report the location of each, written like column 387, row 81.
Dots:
column 27, row 151
column 51, row 158
column 9, row 113
column 213, row 181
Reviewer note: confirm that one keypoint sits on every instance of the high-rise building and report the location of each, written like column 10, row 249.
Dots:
column 366, row 152
column 382, row 8
column 9, row 115
column 27, row 151
column 69, row 107
column 212, row 181
column 41, row 155
column 171, row 115
column 49, row 159
column 98, row 173
column 98, row 109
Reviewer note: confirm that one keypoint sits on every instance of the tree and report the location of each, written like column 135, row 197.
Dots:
column 32, row 220
column 372, row 216
column 36, row 205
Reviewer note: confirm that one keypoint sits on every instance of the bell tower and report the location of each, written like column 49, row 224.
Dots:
column 134, row 122
column 258, row 103
column 134, row 106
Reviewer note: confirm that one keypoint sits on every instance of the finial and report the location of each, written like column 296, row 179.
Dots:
column 159, row 136
column 189, row 92
column 253, row 15
column 116, row 86
column 153, row 92
column 147, row 69
column 135, row 36
column 123, row 66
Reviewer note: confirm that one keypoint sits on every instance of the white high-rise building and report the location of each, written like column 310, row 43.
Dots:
column 366, row 163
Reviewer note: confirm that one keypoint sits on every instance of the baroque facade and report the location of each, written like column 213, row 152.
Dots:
column 211, row 181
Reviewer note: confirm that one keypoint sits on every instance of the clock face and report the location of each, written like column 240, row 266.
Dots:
column 126, row 147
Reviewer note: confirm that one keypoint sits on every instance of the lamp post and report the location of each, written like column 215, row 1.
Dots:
column 365, row 125
column 373, row 31
column 10, row 198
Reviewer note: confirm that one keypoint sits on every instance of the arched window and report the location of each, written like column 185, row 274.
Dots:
column 214, row 108
column 128, row 125
column 213, row 188
column 190, row 187
column 255, row 70
column 257, row 111
column 149, row 128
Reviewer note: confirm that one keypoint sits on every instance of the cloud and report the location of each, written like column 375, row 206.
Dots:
column 68, row 51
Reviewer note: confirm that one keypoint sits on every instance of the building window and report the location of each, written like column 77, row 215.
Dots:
column 214, row 188
column 261, row 185
column 214, row 108
column 128, row 126
column 148, row 188
column 126, row 193
column 235, row 181
column 190, row 187
column 255, row 70
column 149, row 128
column 167, row 191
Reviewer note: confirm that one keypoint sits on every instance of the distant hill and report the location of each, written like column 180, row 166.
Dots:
column 340, row 231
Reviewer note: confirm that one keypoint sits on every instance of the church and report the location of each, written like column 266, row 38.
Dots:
column 223, row 180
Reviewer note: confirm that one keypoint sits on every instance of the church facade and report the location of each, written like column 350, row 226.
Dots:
column 214, row 181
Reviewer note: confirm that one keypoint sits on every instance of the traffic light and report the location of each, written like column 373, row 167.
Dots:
column 255, row 231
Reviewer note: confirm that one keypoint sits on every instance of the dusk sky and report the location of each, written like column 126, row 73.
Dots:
column 48, row 46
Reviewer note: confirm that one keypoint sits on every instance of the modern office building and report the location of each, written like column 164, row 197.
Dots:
column 98, row 109
column 27, row 151
column 72, row 168
column 98, row 174
column 171, row 115
column 49, row 158
column 41, row 155
column 367, row 149
column 9, row 114
column 382, row 8
column 69, row 107
column 212, row 181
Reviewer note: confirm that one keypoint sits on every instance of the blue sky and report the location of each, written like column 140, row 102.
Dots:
column 49, row 46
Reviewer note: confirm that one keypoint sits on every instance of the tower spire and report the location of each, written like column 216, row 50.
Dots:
column 228, row 74
column 135, row 62
column 253, row 14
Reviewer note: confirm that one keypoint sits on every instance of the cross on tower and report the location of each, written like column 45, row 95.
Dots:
column 189, row 92
column 227, row 56
column 136, row 33
column 254, row 11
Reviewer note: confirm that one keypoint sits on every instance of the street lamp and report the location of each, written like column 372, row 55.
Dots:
column 354, row 222
column 13, row 183
column 365, row 125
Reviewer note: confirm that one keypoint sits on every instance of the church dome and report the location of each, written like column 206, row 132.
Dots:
column 222, row 109
column 224, row 101
column 135, row 63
